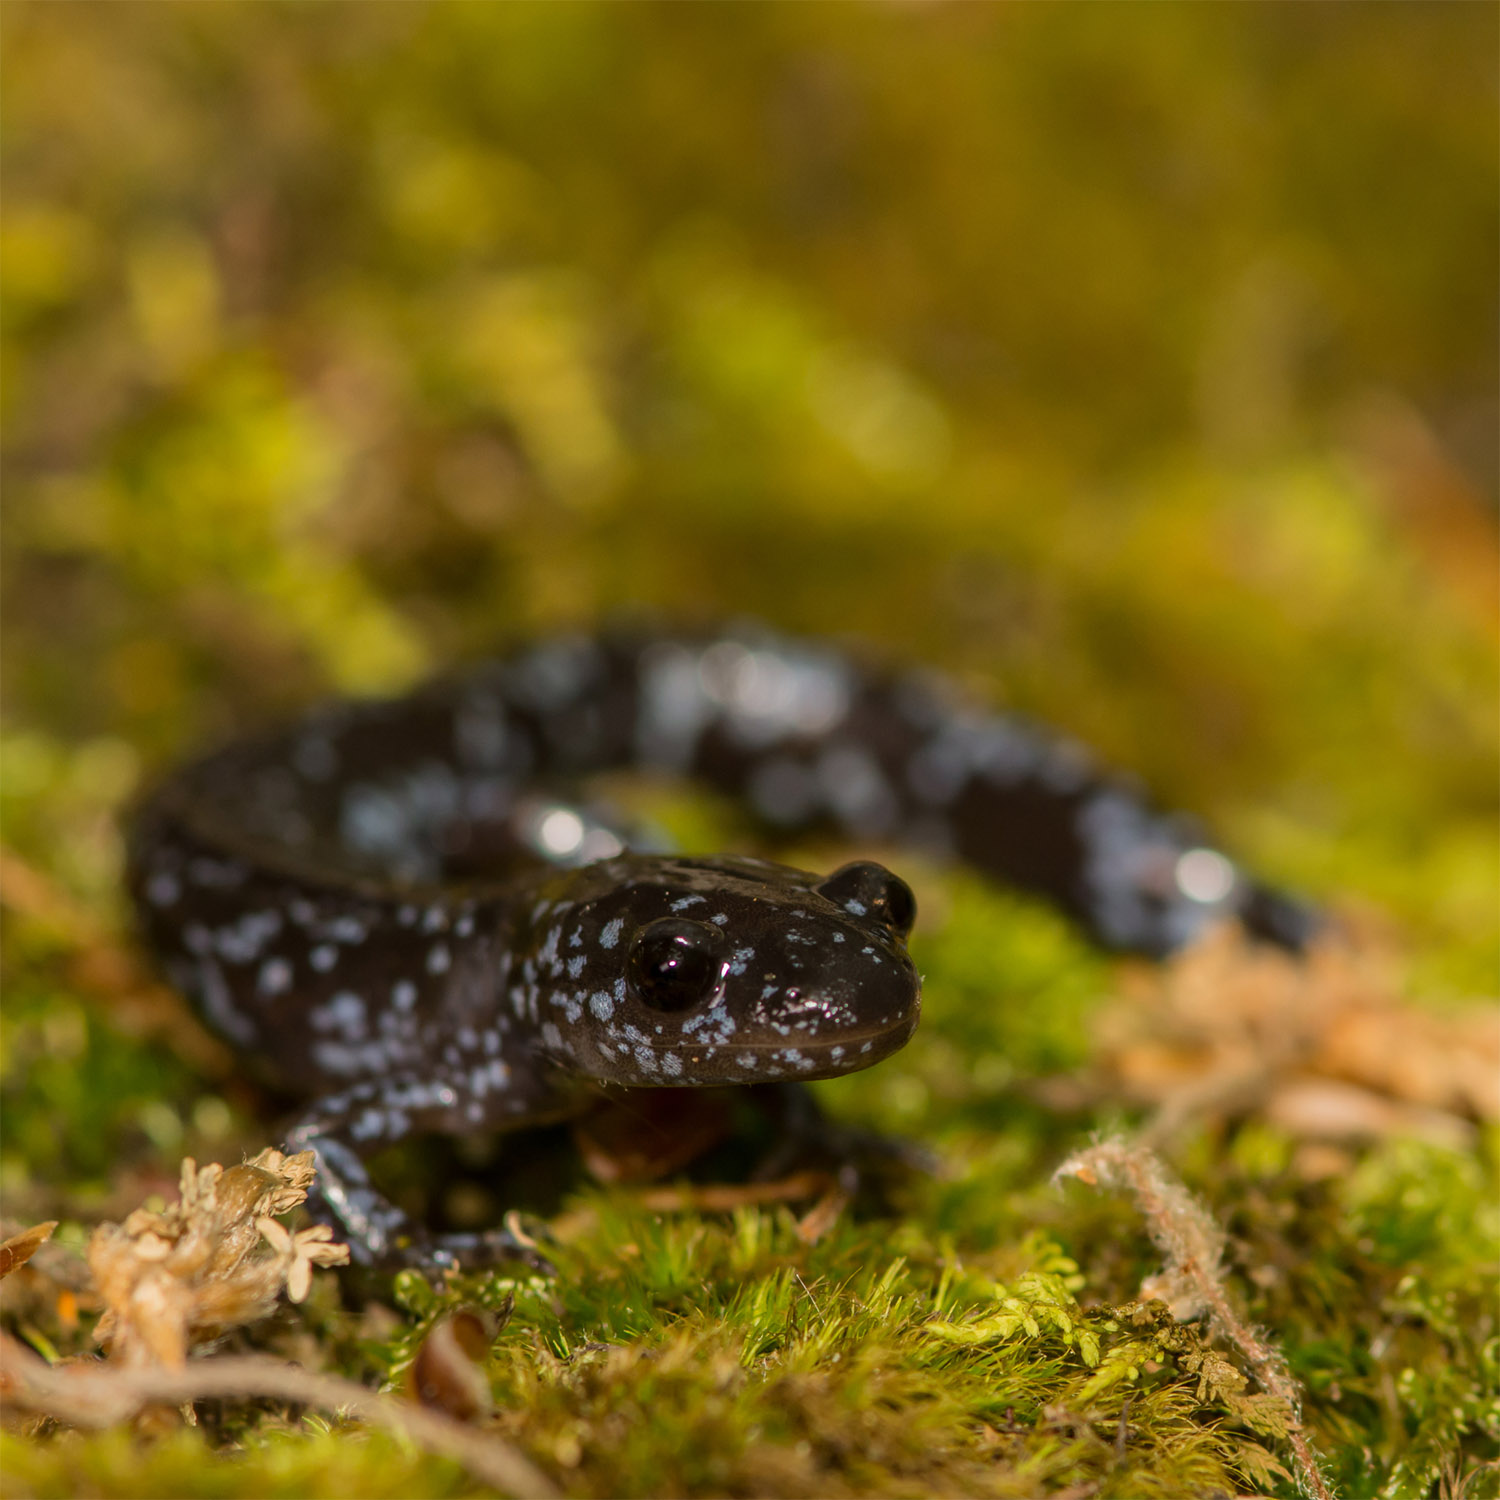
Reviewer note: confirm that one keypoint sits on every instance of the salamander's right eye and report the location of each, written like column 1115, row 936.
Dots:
column 676, row 965
column 869, row 890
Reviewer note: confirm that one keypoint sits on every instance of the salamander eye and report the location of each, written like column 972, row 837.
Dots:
column 675, row 965
column 870, row 890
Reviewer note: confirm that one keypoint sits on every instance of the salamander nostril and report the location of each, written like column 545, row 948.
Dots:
column 866, row 889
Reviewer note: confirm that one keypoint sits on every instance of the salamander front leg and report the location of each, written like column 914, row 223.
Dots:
column 806, row 1136
column 344, row 1130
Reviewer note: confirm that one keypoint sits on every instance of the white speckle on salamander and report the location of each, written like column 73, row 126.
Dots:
column 546, row 955
column 164, row 889
column 611, row 933
column 404, row 995
column 770, row 694
column 438, row 959
column 243, row 941
column 344, row 1013
column 601, row 1005
column 683, row 902
column 352, row 1059
column 275, row 977
column 400, row 1027
column 674, row 708
column 323, row 957
column 572, row 1006
column 219, row 1007
column 576, row 965
column 369, row 1126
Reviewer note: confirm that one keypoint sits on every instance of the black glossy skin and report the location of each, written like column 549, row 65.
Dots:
column 394, row 910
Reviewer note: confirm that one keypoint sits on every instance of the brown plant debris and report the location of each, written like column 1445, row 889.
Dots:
column 19, row 1248
column 724, row 1197
column 1325, row 1046
column 1191, row 1281
column 823, row 1215
column 216, row 1259
column 211, row 1261
column 447, row 1373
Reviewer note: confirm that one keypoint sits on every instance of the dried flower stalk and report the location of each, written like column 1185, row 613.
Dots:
column 213, row 1260
column 1192, row 1280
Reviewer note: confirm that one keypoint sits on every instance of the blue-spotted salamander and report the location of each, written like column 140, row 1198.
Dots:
column 402, row 912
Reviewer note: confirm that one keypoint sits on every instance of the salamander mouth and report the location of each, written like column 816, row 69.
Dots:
column 798, row 1056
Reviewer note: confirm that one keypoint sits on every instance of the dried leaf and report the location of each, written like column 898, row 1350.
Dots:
column 822, row 1216
column 19, row 1248
column 447, row 1373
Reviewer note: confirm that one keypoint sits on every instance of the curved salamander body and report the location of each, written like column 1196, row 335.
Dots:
column 399, row 910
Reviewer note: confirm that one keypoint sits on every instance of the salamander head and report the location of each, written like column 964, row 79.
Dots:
column 659, row 972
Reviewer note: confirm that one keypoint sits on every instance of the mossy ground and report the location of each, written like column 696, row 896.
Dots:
column 1140, row 368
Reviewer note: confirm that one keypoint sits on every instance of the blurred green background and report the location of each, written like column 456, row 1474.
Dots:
column 1134, row 363
column 1137, row 363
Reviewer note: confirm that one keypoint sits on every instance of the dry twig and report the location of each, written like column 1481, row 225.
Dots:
column 1192, row 1280
column 101, row 1396
column 723, row 1197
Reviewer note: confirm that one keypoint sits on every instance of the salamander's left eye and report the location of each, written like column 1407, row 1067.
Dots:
column 675, row 965
column 869, row 890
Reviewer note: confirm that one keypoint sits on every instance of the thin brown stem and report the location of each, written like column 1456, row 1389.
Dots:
column 84, row 1396
column 1186, row 1234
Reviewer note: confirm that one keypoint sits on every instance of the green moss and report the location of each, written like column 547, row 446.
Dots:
column 284, row 1462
